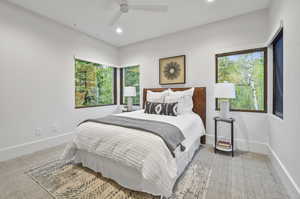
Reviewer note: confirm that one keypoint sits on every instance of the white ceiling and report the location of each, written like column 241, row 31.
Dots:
column 93, row 16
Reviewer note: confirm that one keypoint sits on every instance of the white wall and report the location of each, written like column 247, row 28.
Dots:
column 37, row 77
column 285, row 134
column 200, row 45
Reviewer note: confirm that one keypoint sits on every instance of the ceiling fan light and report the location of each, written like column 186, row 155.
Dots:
column 119, row 30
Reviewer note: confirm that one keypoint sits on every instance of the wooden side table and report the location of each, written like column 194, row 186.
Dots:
column 218, row 146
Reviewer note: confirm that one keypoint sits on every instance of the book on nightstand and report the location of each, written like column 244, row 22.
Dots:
column 224, row 145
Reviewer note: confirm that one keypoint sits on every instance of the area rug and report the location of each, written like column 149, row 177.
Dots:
column 64, row 181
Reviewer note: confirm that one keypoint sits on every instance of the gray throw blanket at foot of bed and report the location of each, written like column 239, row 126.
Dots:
column 171, row 135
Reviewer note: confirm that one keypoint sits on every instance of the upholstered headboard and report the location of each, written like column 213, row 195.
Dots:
column 199, row 99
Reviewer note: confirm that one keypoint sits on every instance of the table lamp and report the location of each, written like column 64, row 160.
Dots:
column 224, row 92
column 129, row 92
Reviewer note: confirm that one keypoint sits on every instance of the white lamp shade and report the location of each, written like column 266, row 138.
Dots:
column 129, row 91
column 225, row 90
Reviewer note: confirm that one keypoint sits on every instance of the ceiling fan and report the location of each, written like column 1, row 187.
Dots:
column 126, row 6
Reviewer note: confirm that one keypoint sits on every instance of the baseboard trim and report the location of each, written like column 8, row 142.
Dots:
column 31, row 147
column 288, row 181
column 243, row 145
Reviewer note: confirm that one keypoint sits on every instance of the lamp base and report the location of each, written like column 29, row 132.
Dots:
column 224, row 108
column 129, row 103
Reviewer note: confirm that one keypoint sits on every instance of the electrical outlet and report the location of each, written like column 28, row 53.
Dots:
column 38, row 132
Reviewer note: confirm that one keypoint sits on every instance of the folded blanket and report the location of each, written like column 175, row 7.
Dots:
column 170, row 134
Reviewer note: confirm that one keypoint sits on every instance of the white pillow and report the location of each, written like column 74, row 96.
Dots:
column 184, row 99
column 157, row 97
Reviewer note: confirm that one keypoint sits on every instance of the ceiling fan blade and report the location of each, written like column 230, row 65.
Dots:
column 151, row 8
column 115, row 18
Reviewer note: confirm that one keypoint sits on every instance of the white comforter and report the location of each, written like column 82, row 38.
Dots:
column 144, row 152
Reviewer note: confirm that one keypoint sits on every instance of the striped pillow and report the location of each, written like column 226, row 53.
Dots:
column 170, row 109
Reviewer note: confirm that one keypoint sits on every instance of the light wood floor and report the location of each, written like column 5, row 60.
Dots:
column 246, row 176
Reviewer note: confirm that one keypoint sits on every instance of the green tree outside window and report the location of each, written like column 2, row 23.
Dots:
column 247, row 71
column 94, row 84
column 131, row 77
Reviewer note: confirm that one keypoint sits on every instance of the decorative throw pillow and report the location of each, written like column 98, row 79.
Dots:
column 170, row 109
column 157, row 97
column 184, row 99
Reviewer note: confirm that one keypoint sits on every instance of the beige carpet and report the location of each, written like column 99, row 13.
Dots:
column 74, row 181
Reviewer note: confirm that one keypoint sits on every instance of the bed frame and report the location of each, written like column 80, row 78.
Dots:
column 199, row 99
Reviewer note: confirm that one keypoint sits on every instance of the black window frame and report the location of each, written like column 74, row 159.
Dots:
column 122, row 86
column 265, row 50
column 115, row 90
column 277, row 38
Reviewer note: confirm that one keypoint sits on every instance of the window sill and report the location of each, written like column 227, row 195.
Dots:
column 275, row 117
column 81, row 107
column 132, row 104
column 244, row 111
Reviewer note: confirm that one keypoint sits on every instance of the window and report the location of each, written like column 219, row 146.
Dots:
column 95, row 84
column 248, row 71
column 278, row 75
column 130, row 76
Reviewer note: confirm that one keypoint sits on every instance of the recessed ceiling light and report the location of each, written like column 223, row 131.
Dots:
column 119, row 30
column 210, row 1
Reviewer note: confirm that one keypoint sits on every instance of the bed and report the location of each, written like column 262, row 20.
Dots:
column 134, row 158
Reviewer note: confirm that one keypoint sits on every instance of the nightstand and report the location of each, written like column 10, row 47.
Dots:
column 224, row 145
